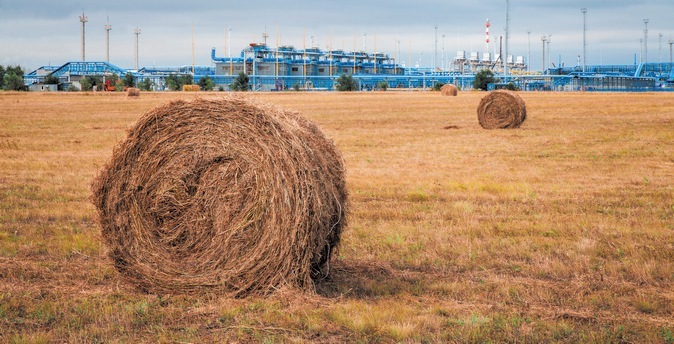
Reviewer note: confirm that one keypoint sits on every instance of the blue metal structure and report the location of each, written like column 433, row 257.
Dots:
column 283, row 68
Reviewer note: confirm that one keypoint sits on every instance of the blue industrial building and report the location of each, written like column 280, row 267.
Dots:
column 283, row 68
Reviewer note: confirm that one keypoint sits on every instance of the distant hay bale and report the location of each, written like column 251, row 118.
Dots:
column 501, row 110
column 191, row 88
column 449, row 90
column 222, row 195
column 132, row 92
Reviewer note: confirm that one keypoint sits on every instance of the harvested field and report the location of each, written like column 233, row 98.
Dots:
column 560, row 231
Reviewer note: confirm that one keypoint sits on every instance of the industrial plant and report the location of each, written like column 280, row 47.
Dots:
column 311, row 68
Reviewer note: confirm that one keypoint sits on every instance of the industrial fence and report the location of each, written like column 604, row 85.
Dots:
column 564, row 83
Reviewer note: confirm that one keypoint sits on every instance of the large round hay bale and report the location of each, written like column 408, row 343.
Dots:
column 501, row 109
column 449, row 90
column 222, row 195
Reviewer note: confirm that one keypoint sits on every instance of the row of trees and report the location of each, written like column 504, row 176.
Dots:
column 173, row 82
column 11, row 79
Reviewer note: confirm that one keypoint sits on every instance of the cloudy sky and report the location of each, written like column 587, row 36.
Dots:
column 34, row 33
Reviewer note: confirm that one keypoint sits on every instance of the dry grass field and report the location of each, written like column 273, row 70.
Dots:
column 559, row 231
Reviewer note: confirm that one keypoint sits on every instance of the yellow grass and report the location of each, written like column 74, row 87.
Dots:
column 560, row 231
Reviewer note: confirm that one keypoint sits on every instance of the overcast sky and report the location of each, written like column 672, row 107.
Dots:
column 34, row 33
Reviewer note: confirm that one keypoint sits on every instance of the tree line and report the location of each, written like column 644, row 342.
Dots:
column 174, row 82
column 11, row 78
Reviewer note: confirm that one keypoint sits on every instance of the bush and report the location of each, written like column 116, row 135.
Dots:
column 346, row 83
column 11, row 79
column 51, row 80
column 483, row 78
column 512, row 87
column 383, row 85
column 206, row 83
column 146, row 85
column 240, row 83
column 129, row 80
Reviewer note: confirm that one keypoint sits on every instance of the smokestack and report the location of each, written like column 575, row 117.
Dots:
column 136, row 32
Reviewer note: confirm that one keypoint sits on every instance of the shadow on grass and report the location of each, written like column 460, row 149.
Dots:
column 367, row 279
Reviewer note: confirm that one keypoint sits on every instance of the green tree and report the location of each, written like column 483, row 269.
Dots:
column 89, row 81
column 51, row 80
column 240, row 83
column 146, row 85
column 173, row 82
column 13, row 82
column 11, row 78
column 383, row 85
column 483, row 78
column 113, row 78
column 85, row 84
column 129, row 80
column 346, row 83
column 186, row 79
column 119, row 85
column 206, row 83
column 512, row 87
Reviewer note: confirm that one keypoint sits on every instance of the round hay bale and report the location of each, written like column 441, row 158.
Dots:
column 449, row 90
column 501, row 109
column 222, row 195
column 133, row 92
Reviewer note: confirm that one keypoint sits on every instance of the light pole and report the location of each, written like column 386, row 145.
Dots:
column 507, row 34
column 108, row 27
column 435, row 49
column 660, row 47
column 83, row 20
column 645, row 40
column 229, row 49
column 443, row 52
column 641, row 50
column 584, row 10
column 528, row 49
column 544, row 39
column 547, row 41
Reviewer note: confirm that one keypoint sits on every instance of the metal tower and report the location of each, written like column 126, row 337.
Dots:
column 108, row 27
column 645, row 40
column 584, row 10
column 507, row 34
column 435, row 49
column 670, row 50
column 136, row 32
column 83, row 20
column 528, row 49
column 660, row 47
column 544, row 39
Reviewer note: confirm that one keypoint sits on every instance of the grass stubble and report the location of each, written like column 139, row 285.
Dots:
column 559, row 231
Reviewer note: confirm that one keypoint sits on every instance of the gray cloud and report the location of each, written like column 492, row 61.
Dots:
column 40, row 32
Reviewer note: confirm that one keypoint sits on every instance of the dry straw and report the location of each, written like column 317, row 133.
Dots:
column 449, row 90
column 222, row 196
column 501, row 109
column 191, row 88
column 132, row 92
